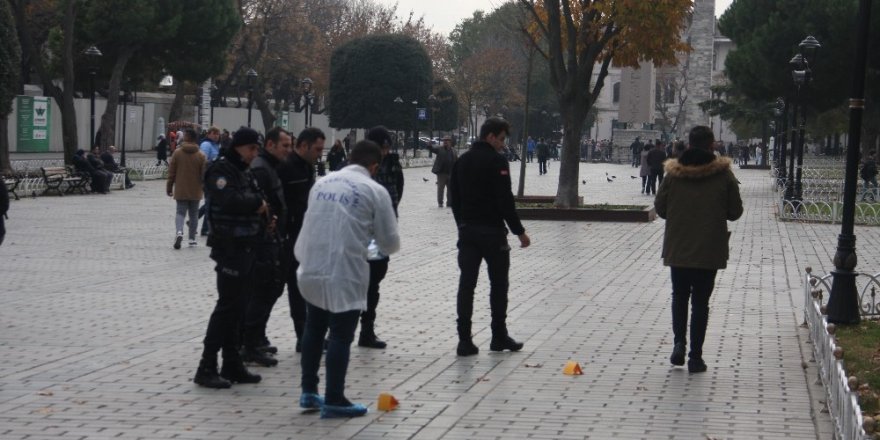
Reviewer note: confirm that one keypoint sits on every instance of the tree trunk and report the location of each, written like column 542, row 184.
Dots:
column 176, row 112
column 5, row 164
column 569, row 163
column 108, row 119
column 523, row 154
column 269, row 118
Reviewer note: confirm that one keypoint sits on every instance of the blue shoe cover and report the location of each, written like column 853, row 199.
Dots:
column 311, row 401
column 334, row 411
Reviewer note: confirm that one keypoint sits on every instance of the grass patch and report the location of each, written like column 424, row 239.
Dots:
column 861, row 357
column 601, row 206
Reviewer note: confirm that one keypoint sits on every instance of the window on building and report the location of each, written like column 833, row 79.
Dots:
column 615, row 95
column 669, row 95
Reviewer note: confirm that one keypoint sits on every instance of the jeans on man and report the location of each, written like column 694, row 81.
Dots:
column 476, row 244
column 296, row 303
column 342, row 326
column 695, row 285
column 185, row 207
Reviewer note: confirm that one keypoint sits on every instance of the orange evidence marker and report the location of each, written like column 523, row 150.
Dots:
column 387, row 402
column 572, row 368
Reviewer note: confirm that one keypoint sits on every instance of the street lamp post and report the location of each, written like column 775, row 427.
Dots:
column 843, row 302
column 781, row 144
column 307, row 99
column 809, row 48
column 125, row 88
column 796, row 63
column 93, row 54
column 251, row 78
column 432, row 103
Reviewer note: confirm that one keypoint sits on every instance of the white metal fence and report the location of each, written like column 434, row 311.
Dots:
column 843, row 403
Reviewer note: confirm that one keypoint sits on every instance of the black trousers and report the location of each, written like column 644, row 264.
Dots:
column 234, row 283
column 476, row 244
column 542, row 165
column 295, row 299
column 270, row 276
column 378, row 269
column 695, row 285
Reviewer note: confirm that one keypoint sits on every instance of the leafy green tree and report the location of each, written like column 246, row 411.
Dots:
column 368, row 74
column 197, row 50
column 120, row 29
column 10, row 84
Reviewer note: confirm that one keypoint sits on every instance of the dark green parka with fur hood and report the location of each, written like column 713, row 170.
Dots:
column 699, row 194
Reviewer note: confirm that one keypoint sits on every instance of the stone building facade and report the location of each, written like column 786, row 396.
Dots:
column 678, row 90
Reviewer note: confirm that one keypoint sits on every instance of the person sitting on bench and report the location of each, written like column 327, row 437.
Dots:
column 100, row 178
column 111, row 165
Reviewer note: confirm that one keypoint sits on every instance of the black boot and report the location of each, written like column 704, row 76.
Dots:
column 504, row 343
column 234, row 370
column 677, row 357
column 466, row 345
column 501, row 340
column 207, row 376
column 368, row 338
column 252, row 354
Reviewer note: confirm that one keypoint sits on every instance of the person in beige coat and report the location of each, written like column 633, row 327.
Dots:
column 698, row 196
column 184, row 183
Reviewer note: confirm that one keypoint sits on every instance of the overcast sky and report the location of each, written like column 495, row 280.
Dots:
column 443, row 15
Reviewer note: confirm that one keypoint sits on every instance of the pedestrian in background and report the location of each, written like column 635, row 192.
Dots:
column 347, row 210
column 482, row 203
column 445, row 158
column 655, row 159
column 336, row 156
column 4, row 210
column 644, row 170
column 698, row 197
column 184, row 184
column 162, row 151
column 543, row 152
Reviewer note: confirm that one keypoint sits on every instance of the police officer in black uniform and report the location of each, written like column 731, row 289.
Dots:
column 237, row 215
column 272, row 263
column 482, row 203
column 297, row 177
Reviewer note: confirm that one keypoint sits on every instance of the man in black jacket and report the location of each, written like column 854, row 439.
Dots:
column 482, row 203
column 297, row 177
column 272, row 263
column 238, row 216
column 390, row 176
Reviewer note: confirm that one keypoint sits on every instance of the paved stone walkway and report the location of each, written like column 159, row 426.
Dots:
column 102, row 325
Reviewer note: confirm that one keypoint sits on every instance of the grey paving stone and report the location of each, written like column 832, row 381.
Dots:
column 102, row 324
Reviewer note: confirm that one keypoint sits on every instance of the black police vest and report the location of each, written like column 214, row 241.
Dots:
column 229, row 224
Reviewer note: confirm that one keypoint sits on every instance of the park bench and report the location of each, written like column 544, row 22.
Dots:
column 57, row 177
column 10, row 183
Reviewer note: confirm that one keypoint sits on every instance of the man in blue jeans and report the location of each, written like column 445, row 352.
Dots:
column 347, row 210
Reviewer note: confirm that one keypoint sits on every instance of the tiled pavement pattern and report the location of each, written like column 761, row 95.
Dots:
column 102, row 325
